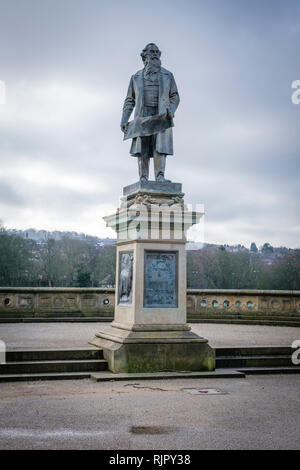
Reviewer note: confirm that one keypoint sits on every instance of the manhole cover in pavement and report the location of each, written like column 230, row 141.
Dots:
column 204, row 391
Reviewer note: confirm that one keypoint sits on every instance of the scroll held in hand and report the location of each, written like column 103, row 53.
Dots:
column 145, row 126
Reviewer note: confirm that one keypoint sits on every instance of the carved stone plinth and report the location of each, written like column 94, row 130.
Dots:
column 154, row 349
column 156, row 186
column 149, row 331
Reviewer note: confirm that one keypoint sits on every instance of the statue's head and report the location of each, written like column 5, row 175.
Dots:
column 151, row 57
column 125, row 260
column 151, row 50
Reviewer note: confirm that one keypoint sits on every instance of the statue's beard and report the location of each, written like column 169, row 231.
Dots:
column 152, row 64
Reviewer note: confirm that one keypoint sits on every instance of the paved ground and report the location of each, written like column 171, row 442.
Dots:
column 258, row 412
column 68, row 335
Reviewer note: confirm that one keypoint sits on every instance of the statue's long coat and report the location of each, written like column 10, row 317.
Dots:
column 168, row 98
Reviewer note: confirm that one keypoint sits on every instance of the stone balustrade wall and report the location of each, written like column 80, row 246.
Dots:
column 278, row 307
column 55, row 302
column 250, row 306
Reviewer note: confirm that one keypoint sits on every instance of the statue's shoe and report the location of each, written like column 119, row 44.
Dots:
column 161, row 179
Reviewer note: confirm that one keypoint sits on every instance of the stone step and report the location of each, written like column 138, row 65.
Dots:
column 109, row 376
column 80, row 363
column 195, row 318
column 29, row 367
column 70, row 354
column 245, row 322
column 44, row 376
column 246, row 318
column 269, row 370
column 221, row 313
column 254, row 361
column 253, row 314
column 216, row 374
column 54, row 319
column 254, row 351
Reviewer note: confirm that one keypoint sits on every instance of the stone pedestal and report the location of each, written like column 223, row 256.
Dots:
column 149, row 331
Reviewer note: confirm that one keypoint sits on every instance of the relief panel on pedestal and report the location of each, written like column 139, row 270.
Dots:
column 125, row 277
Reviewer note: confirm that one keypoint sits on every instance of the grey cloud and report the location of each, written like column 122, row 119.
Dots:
column 236, row 138
column 9, row 195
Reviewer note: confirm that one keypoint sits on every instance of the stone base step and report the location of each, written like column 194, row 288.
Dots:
column 44, row 376
column 238, row 351
column 273, row 322
column 109, row 376
column 269, row 370
column 295, row 322
column 71, row 354
column 81, row 363
column 246, row 315
column 29, row 367
column 55, row 319
column 254, row 361
column 216, row 374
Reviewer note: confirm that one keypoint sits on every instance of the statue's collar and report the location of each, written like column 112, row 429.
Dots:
column 141, row 72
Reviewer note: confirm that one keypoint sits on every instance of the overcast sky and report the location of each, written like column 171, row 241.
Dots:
column 67, row 64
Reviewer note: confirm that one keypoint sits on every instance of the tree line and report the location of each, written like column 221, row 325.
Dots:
column 54, row 263
column 78, row 263
column 216, row 268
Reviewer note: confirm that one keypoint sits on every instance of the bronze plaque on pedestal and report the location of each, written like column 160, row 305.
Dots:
column 161, row 279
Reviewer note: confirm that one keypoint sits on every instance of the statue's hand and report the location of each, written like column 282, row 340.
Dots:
column 124, row 127
column 169, row 114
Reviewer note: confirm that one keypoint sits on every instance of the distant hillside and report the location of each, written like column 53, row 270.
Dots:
column 70, row 259
column 41, row 236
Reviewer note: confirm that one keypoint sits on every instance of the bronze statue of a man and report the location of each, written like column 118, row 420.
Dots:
column 153, row 92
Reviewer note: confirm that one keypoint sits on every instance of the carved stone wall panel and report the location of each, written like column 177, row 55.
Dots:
column 191, row 303
column 58, row 301
column 72, row 301
column 89, row 301
column 45, row 301
column 263, row 303
column 287, row 305
column 276, row 304
column 25, row 301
